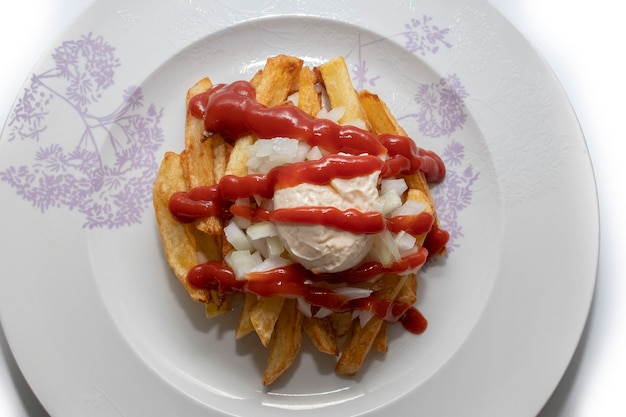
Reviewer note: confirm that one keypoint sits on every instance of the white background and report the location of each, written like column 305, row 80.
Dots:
column 583, row 41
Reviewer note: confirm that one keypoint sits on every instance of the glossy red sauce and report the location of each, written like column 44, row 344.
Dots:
column 232, row 111
column 295, row 281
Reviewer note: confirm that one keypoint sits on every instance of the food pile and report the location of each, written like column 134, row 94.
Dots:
column 307, row 199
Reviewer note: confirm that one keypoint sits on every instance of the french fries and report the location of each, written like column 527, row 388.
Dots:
column 206, row 159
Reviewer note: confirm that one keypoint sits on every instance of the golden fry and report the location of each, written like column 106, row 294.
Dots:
column 357, row 347
column 180, row 249
column 263, row 316
column 245, row 325
column 320, row 331
column 340, row 91
column 286, row 342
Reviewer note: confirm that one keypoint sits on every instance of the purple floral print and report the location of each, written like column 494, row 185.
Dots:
column 424, row 37
column 441, row 107
column 106, row 167
column 455, row 193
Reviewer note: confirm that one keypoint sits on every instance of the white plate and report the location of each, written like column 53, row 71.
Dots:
column 100, row 327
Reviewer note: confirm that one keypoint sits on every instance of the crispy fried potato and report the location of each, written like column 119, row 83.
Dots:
column 180, row 249
column 286, row 342
column 358, row 345
column 361, row 339
column 245, row 325
column 278, row 79
column 263, row 316
column 380, row 341
column 309, row 98
column 198, row 158
column 341, row 93
column 320, row 331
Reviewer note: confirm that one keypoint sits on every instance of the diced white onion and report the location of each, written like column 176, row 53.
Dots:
column 353, row 293
column 314, row 153
column 270, row 263
column 237, row 237
column 397, row 185
column 266, row 154
column 323, row 312
column 405, row 241
column 364, row 317
column 409, row 208
column 242, row 262
column 304, row 307
column 294, row 98
column 388, row 202
column 274, row 246
column 332, row 114
column 260, row 245
column 303, row 150
column 384, row 248
column 261, row 230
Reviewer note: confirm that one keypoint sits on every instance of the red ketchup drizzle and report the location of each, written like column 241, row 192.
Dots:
column 232, row 111
column 295, row 280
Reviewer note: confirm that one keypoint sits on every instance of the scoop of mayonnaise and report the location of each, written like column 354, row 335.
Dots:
column 321, row 248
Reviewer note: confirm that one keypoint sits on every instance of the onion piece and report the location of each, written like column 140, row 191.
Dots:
column 242, row 262
column 270, row 263
column 314, row 153
column 353, row 293
column 304, row 307
column 397, row 185
column 409, row 208
column 405, row 241
column 384, row 248
column 237, row 237
column 363, row 315
column 332, row 114
column 323, row 312
column 261, row 230
column 388, row 202
column 275, row 246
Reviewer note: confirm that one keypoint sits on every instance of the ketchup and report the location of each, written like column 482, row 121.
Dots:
column 231, row 110
column 294, row 280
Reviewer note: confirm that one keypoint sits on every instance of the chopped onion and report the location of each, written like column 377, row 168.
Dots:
column 353, row 293
column 388, row 202
column 237, row 237
column 323, row 312
column 303, row 150
column 294, row 98
column 261, row 230
column 304, row 307
column 274, row 246
column 261, row 246
column 363, row 315
column 405, row 241
column 384, row 248
column 409, row 208
column 397, row 185
column 266, row 154
column 332, row 114
column 270, row 263
column 242, row 262
column 314, row 153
